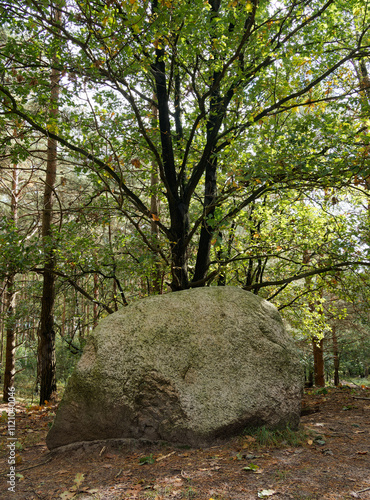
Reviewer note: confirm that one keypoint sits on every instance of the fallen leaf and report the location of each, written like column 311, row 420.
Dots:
column 124, row 473
column 327, row 452
column 66, row 495
column 251, row 467
column 266, row 493
column 134, row 491
column 248, row 440
column 173, row 480
column 79, row 479
column 321, row 442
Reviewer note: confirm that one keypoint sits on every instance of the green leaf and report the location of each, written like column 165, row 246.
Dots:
column 79, row 479
column 320, row 442
column 147, row 460
column 251, row 467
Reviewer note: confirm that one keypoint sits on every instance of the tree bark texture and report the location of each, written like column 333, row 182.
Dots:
column 318, row 358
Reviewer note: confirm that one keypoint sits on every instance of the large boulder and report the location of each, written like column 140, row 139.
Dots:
column 189, row 367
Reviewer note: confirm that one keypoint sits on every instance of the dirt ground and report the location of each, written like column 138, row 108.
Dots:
column 331, row 461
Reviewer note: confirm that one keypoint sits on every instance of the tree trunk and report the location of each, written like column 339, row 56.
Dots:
column 156, row 284
column 156, row 279
column 179, row 251
column 178, row 207
column 96, row 300
column 10, row 300
column 207, row 231
column 179, row 192
column 335, row 357
column 63, row 324
column 210, row 184
column 2, row 307
column 46, row 348
column 317, row 344
column 318, row 358
column 10, row 338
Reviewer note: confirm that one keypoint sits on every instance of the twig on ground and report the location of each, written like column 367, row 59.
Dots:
column 356, row 493
column 36, row 465
column 165, row 456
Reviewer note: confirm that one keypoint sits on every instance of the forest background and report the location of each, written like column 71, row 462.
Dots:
column 154, row 146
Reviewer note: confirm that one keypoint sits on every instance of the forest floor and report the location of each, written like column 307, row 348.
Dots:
column 328, row 459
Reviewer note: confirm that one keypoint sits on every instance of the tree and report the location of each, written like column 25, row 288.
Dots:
column 17, row 252
column 46, row 345
column 221, row 75
column 11, row 294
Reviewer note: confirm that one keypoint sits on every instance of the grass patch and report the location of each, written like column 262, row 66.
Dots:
column 262, row 436
column 189, row 493
column 357, row 381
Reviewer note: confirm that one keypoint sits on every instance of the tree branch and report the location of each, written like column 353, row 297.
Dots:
column 296, row 277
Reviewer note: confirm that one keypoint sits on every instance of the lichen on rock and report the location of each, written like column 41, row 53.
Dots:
column 189, row 367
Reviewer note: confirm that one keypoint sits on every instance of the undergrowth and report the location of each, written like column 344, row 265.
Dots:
column 262, row 436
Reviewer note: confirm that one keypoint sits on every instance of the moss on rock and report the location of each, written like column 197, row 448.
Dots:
column 189, row 367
